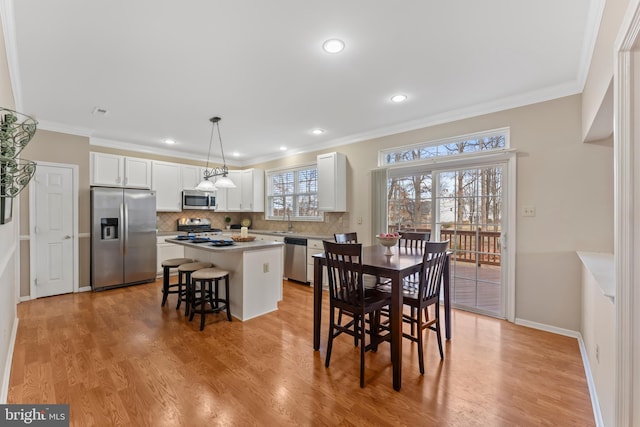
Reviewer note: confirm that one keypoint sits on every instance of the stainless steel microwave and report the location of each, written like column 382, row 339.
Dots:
column 201, row 200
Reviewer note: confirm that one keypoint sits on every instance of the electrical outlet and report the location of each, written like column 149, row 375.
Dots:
column 265, row 267
column 529, row 211
column 597, row 353
column 359, row 220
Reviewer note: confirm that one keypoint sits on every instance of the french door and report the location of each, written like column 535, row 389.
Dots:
column 467, row 207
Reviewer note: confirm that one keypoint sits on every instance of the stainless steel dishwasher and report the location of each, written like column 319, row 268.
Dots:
column 295, row 259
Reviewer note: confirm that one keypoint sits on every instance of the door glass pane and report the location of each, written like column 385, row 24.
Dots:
column 470, row 217
column 410, row 203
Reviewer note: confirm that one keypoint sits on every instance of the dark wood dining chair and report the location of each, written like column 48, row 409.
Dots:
column 427, row 294
column 348, row 294
column 413, row 240
column 416, row 241
column 346, row 237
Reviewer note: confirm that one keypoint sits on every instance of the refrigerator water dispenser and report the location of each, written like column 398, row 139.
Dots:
column 109, row 228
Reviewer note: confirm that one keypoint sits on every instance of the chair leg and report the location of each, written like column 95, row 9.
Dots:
column 362, row 348
column 438, row 335
column 203, row 299
column 191, row 287
column 165, row 285
column 330, row 342
column 420, row 343
column 226, row 296
column 180, row 283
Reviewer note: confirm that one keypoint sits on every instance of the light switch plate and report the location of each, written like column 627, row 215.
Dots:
column 529, row 211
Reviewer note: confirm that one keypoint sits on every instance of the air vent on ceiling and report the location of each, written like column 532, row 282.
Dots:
column 99, row 111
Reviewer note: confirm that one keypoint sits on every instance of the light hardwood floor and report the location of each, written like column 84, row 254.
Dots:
column 118, row 358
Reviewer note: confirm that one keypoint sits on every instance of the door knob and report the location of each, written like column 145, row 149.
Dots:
column 67, row 237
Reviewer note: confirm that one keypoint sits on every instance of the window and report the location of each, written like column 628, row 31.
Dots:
column 467, row 144
column 294, row 193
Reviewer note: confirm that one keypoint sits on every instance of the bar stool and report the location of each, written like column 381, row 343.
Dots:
column 184, row 272
column 208, row 292
column 167, row 265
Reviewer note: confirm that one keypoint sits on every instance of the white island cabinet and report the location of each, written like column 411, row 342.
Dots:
column 255, row 273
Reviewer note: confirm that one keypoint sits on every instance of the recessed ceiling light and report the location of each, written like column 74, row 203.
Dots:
column 283, row 148
column 235, row 154
column 333, row 46
column 317, row 131
column 399, row 98
column 169, row 141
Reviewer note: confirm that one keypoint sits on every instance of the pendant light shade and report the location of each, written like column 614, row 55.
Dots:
column 206, row 185
column 223, row 181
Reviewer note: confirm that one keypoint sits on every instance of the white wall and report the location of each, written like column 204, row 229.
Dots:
column 8, row 254
column 598, row 333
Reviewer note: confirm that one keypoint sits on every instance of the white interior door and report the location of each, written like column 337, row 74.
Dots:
column 52, row 224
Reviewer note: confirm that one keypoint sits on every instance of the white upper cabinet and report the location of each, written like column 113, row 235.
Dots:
column 191, row 176
column 221, row 196
column 253, row 190
column 119, row 171
column 137, row 172
column 234, row 195
column 167, row 183
column 332, row 182
column 248, row 196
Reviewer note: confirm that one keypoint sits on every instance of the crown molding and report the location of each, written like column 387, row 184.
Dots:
column 139, row 148
column 64, row 128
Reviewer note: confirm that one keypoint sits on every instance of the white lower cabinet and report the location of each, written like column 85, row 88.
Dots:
column 315, row 247
column 167, row 251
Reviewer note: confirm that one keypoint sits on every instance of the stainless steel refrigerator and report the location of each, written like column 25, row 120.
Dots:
column 123, row 237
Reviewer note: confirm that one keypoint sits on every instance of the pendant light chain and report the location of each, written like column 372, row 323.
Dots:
column 224, row 162
column 209, row 152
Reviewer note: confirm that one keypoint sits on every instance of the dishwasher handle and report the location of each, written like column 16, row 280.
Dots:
column 295, row 241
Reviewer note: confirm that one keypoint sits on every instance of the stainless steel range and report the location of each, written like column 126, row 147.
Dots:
column 200, row 227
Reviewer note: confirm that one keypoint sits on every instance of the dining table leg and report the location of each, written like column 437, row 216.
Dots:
column 396, row 330
column 317, row 301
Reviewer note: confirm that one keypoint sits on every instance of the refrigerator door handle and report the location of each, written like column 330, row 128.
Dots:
column 126, row 228
column 121, row 228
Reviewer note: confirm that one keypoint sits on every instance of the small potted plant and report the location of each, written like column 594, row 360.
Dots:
column 227, row 220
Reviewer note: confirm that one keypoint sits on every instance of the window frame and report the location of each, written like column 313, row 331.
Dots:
column 382, row 154
column 269, row 196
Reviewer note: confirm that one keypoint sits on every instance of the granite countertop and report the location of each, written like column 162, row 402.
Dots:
column 291, row 234
column 251, row 231
column 236, row 247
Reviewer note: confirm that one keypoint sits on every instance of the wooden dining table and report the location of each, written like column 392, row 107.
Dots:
column 402, row 263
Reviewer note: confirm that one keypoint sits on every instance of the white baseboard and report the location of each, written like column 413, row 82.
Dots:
column 24, row 298
column 4, row 391
column 597, row 415
column 84, row 289
column 595, row 403
column 548, row 328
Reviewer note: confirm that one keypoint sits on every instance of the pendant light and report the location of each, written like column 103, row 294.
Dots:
column 223, row 181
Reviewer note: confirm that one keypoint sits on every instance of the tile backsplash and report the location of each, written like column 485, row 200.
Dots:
column 334, row 222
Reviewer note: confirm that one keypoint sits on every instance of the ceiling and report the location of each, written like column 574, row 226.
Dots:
column 163, row 68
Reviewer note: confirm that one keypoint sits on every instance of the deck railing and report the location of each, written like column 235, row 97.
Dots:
column 481, row 247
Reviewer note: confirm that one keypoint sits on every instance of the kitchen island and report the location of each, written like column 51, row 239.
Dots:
column 255, row 273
